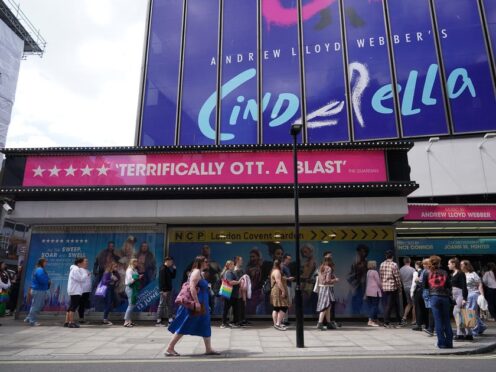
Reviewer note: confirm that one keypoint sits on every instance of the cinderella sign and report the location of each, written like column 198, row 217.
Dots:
column 349, row 80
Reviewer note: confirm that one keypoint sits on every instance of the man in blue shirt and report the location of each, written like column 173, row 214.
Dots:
column 286, row 272
column 40, row 284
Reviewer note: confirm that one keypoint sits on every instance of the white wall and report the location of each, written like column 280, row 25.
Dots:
column 11, row 49
column 454, row 167
column 211, row 211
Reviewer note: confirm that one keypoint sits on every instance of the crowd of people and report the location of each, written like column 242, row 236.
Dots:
column 432, row 295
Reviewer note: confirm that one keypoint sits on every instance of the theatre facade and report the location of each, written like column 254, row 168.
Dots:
column 396, row 150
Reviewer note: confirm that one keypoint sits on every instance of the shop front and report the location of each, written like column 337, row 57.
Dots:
column 226, row 201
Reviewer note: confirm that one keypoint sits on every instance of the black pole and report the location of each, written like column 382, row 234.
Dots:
column 298, row 299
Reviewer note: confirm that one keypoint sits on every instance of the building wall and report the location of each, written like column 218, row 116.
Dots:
column 11, row 47
column 454, row 167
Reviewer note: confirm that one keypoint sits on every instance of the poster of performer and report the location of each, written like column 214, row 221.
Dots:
column 102, row 249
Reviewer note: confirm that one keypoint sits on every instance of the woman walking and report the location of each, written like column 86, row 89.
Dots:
column 229, row 276
column 373, row 291
column 194, row 322
column 459, row 293
column 475, row 289
column 326, row 292
column 278, row 296
column 132, row 288
column 489, row 280
column 40, row 284
column 111, row 279
column 439, row 286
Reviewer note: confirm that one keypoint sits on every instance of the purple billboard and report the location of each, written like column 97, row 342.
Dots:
column 228, row 72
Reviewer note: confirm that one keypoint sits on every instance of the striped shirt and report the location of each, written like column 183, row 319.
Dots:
column 390, row 276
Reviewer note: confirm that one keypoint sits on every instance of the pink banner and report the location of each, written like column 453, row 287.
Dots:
column 206, row 168
column 451, row 213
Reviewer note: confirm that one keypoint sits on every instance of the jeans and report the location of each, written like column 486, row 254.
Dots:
column 391, row 302
column 458, row 297
column 480, row 327
column 373, row 304
column 441, row 310
column 37, row 302
column 232, row 302
column 130, row 307
column 109, row 301
column 491, row 301
column 164, row 306
column 421, row 313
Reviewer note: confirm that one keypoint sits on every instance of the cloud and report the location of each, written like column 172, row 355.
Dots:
column 85, row 91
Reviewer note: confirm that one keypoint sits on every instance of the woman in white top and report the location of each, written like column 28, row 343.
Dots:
column 475, row 289
column 131, row 281
column 75, row 290
column 489, row 280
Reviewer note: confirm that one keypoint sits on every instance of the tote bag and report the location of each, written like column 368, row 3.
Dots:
column 225, row 289
column 469, row 318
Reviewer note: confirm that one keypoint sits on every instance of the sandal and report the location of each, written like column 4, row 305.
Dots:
column 172, row 353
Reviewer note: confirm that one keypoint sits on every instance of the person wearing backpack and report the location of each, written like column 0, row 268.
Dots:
column 439, row 285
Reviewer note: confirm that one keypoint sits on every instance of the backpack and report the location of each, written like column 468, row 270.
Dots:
column 437, row 280
column 267, row 287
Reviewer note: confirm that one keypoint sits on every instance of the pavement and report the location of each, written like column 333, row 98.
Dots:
column 94, row 341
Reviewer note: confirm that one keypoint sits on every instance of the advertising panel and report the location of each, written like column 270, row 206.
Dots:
column 417, row 69
column 228, row 168
column 239, row 115
column 351, row 249
column 369, row 70
column 454, row 247
column 162, row 79
column 200, row 77
column 469, row 84
column 327, row 119
column 490, row 11
column 61, row 249
column 280, row 70
column 451, row 213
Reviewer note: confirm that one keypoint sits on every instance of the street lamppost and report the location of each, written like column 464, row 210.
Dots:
column 295, row 130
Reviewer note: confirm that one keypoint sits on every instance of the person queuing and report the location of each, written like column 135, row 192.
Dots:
column 4, row 288
column 373, row 293
column 166, row 274
column 40, row 283
column 426, row 263
column 459, row 293
column 391, row 284
column 439, row 285
column 326, row 292
column 132, row 286
column 85, row 296
column 489, row 280
column 278, row 296
column 111, row 279
column 475, row 289
column 77, row 278
column 194, row 322
column 406, row 275
column 421, row 313
column 286, row 272
column 231, row 303
column 241, row 301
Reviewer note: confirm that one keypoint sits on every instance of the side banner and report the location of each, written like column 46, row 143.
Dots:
column 101, row 249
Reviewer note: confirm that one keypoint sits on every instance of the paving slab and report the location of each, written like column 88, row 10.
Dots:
column 95, row 341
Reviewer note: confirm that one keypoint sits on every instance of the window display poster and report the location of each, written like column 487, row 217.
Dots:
column 259, row 247
column 61, row 249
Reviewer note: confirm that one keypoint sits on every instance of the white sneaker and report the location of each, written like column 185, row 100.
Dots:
column 35, row 324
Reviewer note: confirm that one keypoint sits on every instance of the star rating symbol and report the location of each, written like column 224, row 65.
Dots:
column 38, row 172
column 86, row 171
column 70, row 171
column 103, row 170
column 54, row 171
